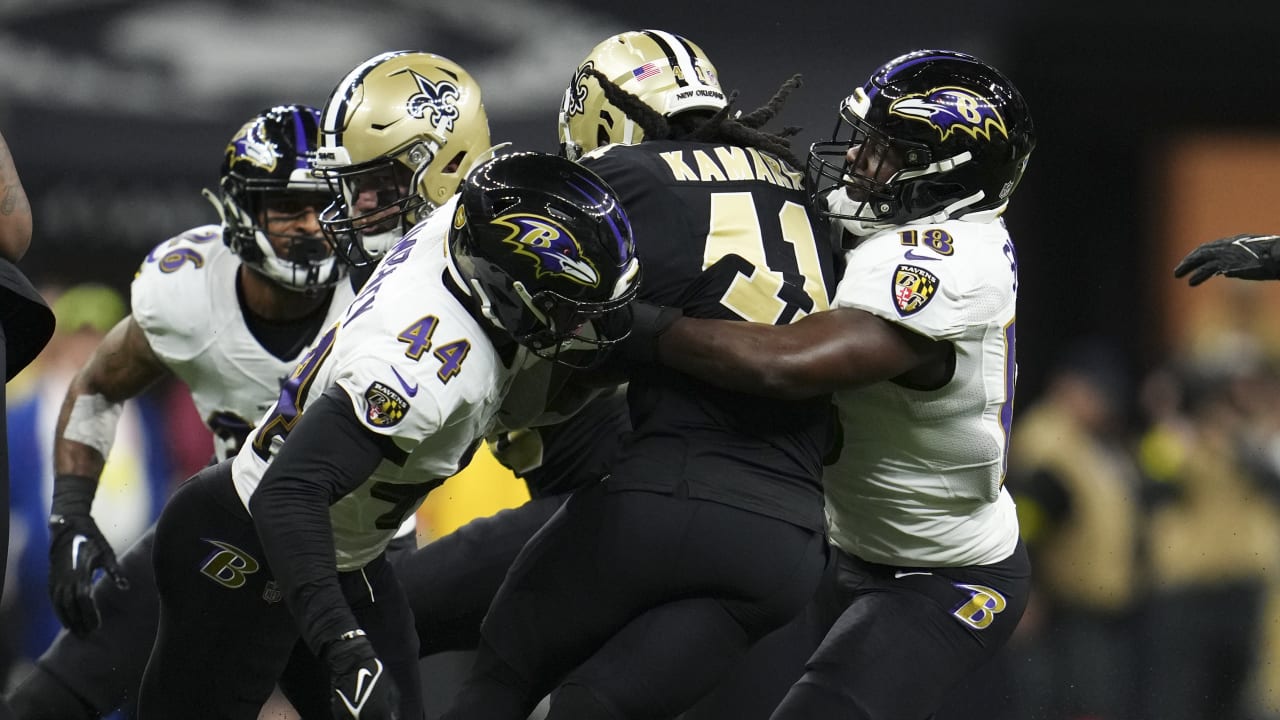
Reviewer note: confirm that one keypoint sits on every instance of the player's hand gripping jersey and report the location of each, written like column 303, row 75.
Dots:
column 184, row 299
column 418, row 369
column 920, row 476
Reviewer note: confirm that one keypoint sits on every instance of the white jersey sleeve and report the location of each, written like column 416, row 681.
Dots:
column 176, row 296
column 931, row 286
column 919, row 480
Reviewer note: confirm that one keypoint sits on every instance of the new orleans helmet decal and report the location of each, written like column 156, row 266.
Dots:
column 948, row 109
column 554, row 250
column 251, row 145
column 437, row 102
column 913, row 288
column 575, row 99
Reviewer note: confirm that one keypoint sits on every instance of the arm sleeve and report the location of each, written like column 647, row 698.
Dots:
column 328, row 454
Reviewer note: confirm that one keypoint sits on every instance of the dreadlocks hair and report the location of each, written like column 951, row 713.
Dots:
column 741, row 130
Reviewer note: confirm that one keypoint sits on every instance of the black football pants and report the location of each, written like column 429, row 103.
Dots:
column 634, row 604
column 225, row 634
column 903, row 637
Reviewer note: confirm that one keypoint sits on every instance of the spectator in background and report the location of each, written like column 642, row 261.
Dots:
column 1078, row 491
column 1214, row 536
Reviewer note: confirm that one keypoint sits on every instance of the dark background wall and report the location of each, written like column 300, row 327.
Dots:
column 117, row 110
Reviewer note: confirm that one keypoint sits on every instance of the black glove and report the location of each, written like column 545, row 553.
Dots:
column 76, row 550
column 1249, row 257
column 362, row 687
column 649, row 322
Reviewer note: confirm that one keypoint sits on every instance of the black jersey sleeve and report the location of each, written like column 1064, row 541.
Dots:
column 328, row 454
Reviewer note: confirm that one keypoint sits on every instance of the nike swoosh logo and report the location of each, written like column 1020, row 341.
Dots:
column 911, row 255
column 76, row 542
column 411, row 391
column 904, row 573
column 365, row 680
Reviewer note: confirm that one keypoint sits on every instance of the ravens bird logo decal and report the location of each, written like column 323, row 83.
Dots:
column 949, row 109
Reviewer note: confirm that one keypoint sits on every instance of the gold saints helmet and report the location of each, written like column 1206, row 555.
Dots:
column 397, row 136
column 666, row 71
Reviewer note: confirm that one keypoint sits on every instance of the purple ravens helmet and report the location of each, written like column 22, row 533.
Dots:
column 545, row 248
column 932, row 135
column 267, row 166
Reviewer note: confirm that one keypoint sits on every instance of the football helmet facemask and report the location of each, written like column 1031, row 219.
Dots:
column 545, row 250
column 932, row 135
column 397, row 136
column 267, row 183
column 666, row 71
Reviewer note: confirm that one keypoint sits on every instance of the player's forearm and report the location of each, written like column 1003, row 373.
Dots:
column 15, row 211
column 326, row 456
column 297, row 537
column 84, row 432
column 745, row 357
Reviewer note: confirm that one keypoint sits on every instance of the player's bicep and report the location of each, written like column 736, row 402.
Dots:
column 123, row 365
column 846, row 348
column 818, row 354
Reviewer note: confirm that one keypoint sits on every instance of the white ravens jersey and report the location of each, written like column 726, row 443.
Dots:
column 184, row 299
column 417, row 367
column 919, row 481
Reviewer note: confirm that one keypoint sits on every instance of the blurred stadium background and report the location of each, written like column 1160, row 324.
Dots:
column 1159, row 128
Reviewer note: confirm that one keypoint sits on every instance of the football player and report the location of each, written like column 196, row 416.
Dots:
column 531, row 262
column 449, row 581
column 228, row 309
column 644, row 589
column 919, row 351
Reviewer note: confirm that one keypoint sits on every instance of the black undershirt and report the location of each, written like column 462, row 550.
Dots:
column 284, row 339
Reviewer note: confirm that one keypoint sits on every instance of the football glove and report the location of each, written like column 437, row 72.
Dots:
column 1249, row 257
column 77, row 549
column 362, row 686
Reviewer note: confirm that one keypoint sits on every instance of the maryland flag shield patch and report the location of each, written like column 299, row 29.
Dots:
column 913, row 288
column 386, row 407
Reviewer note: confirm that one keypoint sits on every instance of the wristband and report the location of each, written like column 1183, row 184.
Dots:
column 72, row 495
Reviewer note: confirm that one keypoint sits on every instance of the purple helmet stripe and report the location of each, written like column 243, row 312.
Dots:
column 613, row 226
column 301, row 142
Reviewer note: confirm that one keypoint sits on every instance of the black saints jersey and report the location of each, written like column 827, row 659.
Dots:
column 722, row 232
